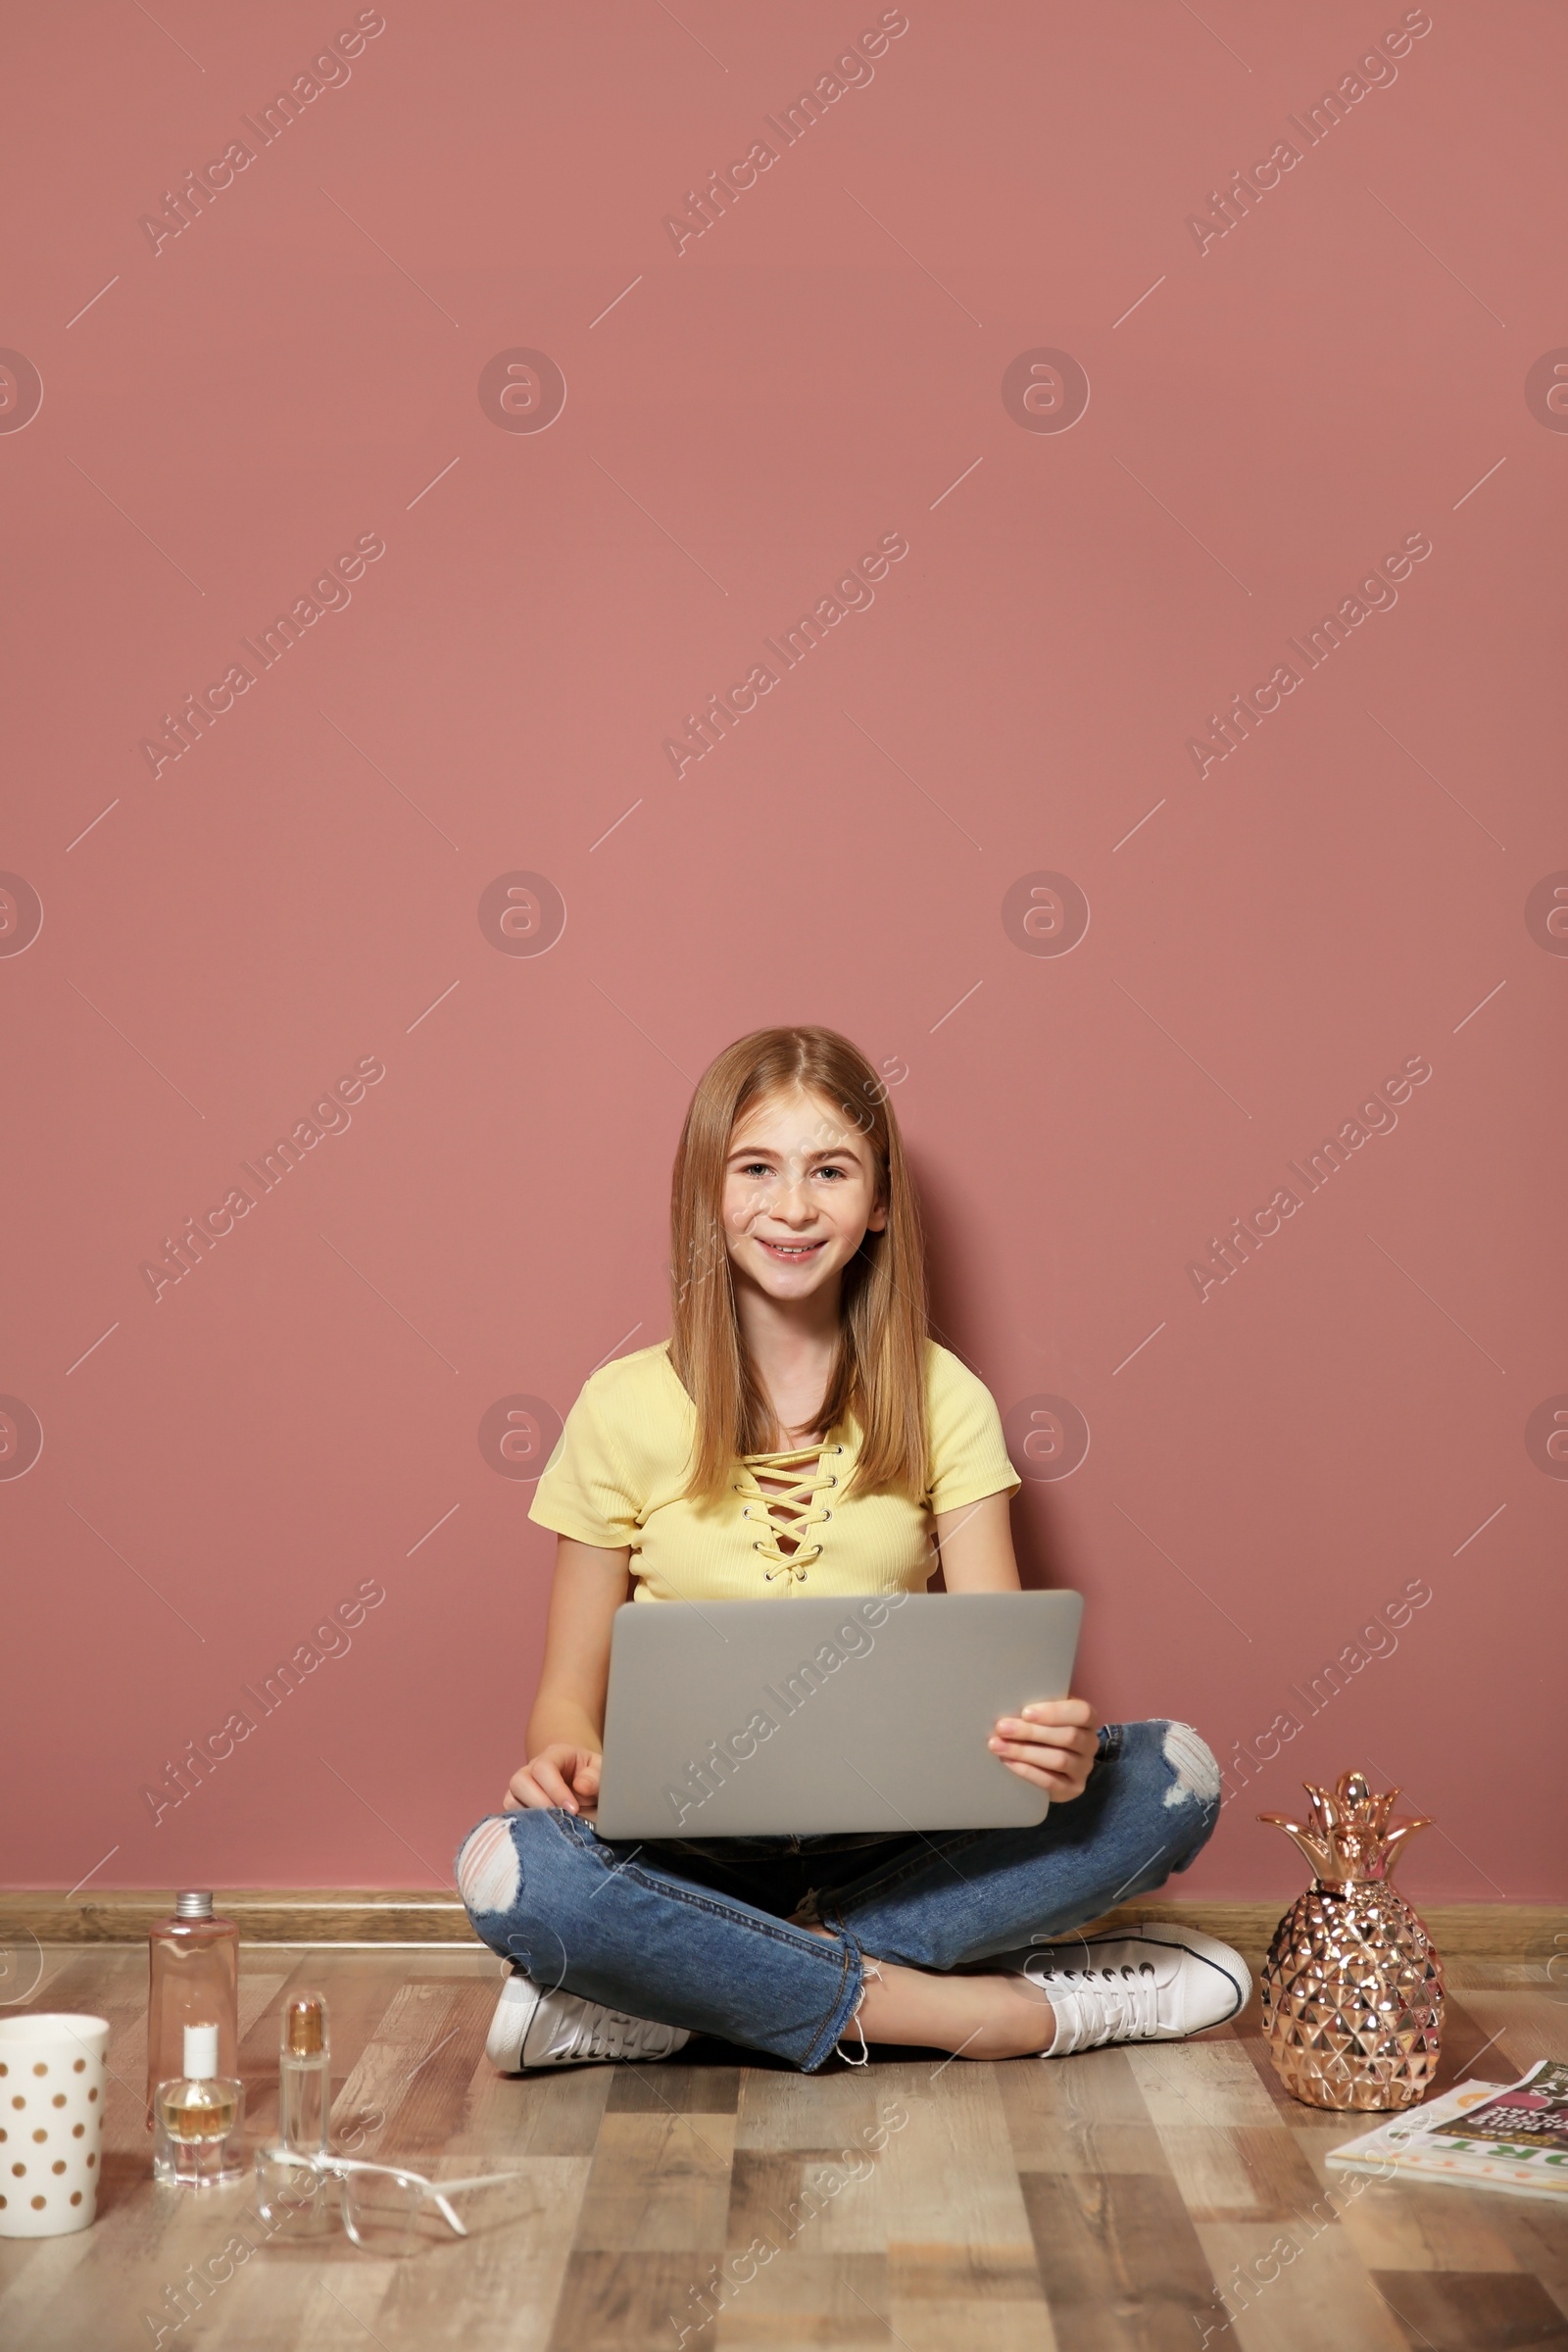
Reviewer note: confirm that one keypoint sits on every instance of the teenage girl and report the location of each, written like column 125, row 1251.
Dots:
column 801, row 1433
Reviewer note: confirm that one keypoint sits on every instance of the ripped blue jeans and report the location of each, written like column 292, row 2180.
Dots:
column 712, row 1936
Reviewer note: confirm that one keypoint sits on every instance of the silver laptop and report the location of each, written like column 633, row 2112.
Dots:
column 743, row 1718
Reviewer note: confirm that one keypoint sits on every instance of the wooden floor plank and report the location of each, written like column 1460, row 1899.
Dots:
column 1415, row 2225
column 947, row 2176
column 1239, row 2173
column 817, row 2200
column 812, row 2299
column 75, row 1977
column 415, row 2025
column 1202, row 2082
column 1537, row 2235
column 1296, row 2288
column 1070, row 2114
column 1472, row 2311
column 1120, row 2262
column 1471, row 2049
column 690, row 2090
column 506, row 2116
column 659, row 2184
column 341, row 2305
column 145, row 2252
column 969, row 2325
column 969, row 2275
column 435, row 2093
column 777, row 2110
column 35, row 2274
column 498, row 2291
column 1522, row 2026
column 635, row 2302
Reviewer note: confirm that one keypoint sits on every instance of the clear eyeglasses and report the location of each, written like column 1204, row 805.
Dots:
column 386, row 2209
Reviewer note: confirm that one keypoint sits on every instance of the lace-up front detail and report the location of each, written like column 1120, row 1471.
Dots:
column 1097, row 2005
column 609, row 2033
column 781, row 1491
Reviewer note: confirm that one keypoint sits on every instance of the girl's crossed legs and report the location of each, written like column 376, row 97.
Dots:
column 774, row 1942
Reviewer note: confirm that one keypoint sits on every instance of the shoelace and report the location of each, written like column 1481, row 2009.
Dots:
column 610, row 2033
column 1097, row 2005
column 802, row 1469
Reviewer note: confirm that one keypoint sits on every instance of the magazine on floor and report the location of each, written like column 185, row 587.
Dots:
column 1486, row 2134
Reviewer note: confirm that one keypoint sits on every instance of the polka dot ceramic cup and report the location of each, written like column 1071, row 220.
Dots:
column 51, row 2121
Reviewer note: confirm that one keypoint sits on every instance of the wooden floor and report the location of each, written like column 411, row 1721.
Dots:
column 1099, row 2201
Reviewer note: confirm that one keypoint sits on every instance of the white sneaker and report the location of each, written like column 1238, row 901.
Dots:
column 534, row 2027
column 1156, row 1984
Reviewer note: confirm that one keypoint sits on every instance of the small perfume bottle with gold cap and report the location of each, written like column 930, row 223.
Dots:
column 305, row 2077
column 198, row 2120
column 304, row 2106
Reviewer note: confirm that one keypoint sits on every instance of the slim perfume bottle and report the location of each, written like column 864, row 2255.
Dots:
column 198, row 2119
column 304, row 2106
column 192, row 1976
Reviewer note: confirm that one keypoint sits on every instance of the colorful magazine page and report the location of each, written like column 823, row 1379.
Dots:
column 1528, row 2119
column 1472, row 2136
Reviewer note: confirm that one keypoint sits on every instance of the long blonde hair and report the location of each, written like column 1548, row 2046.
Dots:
column 878, row 1375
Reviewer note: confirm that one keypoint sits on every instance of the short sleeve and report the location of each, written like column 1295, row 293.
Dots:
column 584, row 1489
column 968, row 1450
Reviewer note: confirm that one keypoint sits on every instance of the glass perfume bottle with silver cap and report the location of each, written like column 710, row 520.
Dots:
column 192, row 1978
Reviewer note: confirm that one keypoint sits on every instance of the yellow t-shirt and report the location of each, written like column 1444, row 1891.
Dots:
column 616, row 1476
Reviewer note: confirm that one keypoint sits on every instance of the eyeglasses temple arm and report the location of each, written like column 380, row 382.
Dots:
column 479, row 2181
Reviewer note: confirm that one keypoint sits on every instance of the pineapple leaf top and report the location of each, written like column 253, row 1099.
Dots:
column 1352, row 1833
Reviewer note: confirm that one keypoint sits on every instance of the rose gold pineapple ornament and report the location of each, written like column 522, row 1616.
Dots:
column 1352, row 1987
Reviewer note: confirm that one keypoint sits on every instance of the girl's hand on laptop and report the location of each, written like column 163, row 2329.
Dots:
column 559, row 1775
column 1051, row 1744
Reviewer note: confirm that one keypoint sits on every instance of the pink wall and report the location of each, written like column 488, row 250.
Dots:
column 1362, row 360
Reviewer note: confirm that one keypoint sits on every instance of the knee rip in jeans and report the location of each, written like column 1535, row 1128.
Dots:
column 1193, row 1762
column 489, row 1873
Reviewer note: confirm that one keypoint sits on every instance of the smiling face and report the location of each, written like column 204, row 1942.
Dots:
column 801, row 1194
